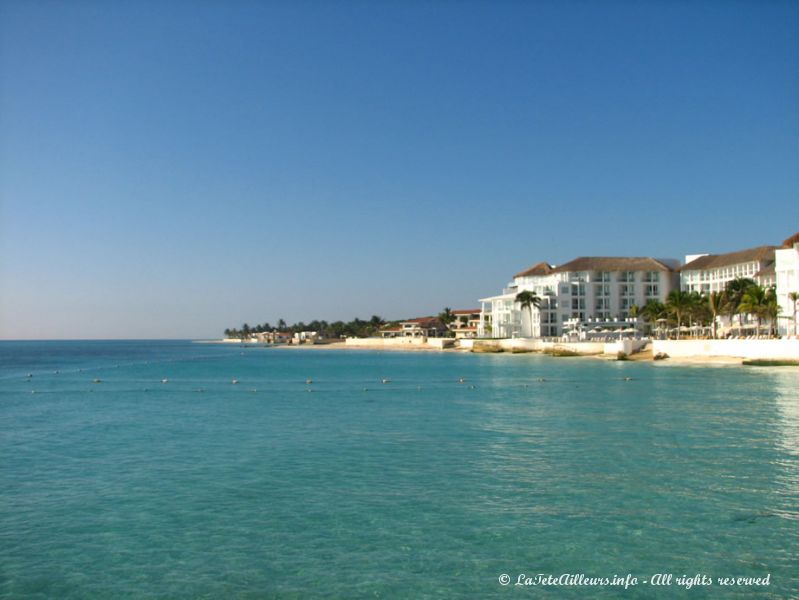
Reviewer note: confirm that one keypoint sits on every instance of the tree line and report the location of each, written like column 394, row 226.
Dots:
column 355, row 328
column 742, row 296
column 337, row 329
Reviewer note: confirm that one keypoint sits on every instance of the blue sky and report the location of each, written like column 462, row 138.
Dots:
column 168, row 169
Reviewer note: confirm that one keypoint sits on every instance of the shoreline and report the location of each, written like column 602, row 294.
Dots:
column 641, row 357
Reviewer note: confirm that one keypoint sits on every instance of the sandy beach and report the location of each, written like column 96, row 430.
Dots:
column 644, row 356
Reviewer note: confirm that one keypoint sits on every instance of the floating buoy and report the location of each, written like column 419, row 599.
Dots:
column 309, row 381
column 56, row 372
column 235, row 381
column 365, row 389
column 386, row 381
column 541, row 379
column 165, row 380
column 628, row 379
column 461, row 380
column 97, row 381
column 29, row 375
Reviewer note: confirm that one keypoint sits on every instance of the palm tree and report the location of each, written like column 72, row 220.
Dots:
column 735, row 292
column 754, row 302
column 772, row 309
column 794, row 298
column 528, row 300
column 679, row 303
column 715, row 304
column 653, row 311
column 446, row 316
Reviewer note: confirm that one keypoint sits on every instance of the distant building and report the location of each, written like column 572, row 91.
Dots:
column 305, row 337
column 274, row 337
column 585, row 294
column 419, row 327
column 465, row 323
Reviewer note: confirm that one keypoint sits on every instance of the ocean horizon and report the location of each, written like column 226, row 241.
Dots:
column 166, row 468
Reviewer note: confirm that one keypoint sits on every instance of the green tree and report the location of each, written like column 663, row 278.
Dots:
column 679, row 303
column 735, row 290
column 772, row 309
column 528, row 300
column 754, row 302
column 652, row 312
column 794, row 298
column 446, row 316
column 716, row 301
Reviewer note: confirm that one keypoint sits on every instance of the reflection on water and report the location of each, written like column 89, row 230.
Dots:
column 423, row 487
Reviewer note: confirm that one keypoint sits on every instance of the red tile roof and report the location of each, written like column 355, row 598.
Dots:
column 613, row 263
column 794, row 239
column 537, row 269
column 714, row 261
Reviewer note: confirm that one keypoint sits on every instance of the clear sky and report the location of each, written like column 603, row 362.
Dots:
column 169, row 169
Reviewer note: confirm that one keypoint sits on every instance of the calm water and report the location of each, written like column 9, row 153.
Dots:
column 420, row 488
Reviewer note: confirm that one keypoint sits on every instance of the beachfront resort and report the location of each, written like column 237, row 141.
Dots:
column 748, row 295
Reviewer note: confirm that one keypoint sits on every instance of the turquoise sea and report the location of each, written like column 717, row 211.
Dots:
column 422, row 487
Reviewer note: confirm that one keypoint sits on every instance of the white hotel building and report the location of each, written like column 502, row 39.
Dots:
column 705, row 273
column 585, row 293
column 767, row 265
column 786, row 275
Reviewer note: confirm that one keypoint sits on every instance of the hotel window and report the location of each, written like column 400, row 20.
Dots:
column 652, row 290
column 602, row 290
column 578, row 303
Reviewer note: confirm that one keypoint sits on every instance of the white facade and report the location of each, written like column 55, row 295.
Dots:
column 786, row 268
column 582, row 295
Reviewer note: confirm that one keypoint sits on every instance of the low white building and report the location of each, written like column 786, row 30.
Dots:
column 421, row 327
column 586, row 294
column 466, row 323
